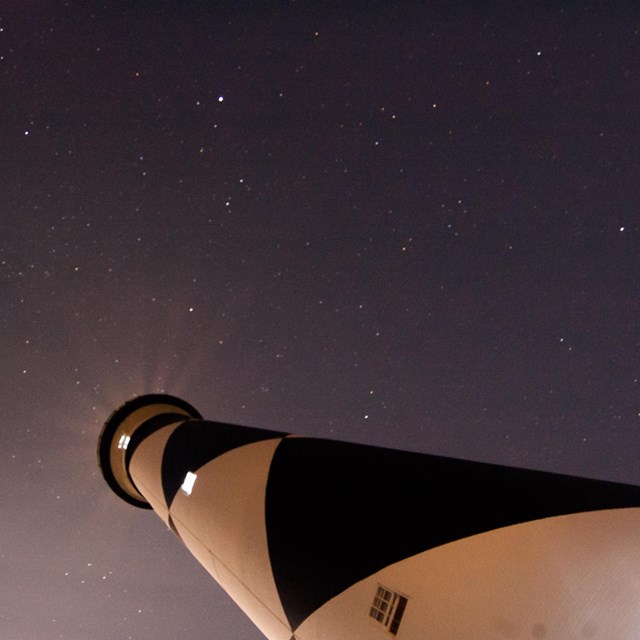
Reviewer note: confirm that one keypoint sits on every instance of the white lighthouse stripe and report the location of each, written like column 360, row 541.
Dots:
column 272, row 626
column 145, row 468
column 574, row 576
column 226, row 513
column 199, row 551
column 197, row 442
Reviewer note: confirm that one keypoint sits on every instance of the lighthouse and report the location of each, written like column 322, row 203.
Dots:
column 324, row 540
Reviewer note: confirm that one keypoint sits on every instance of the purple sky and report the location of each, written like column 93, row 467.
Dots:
column 418, row 228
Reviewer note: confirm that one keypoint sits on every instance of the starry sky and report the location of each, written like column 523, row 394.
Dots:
column 403, row 225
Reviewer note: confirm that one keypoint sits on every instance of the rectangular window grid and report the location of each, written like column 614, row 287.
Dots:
column 388, row 608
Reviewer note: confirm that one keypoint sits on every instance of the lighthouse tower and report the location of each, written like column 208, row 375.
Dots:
column 323, row 540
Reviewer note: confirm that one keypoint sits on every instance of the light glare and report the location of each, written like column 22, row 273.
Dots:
column 189, row 481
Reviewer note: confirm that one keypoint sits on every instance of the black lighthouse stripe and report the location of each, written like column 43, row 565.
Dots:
column 196, row 442
column 338, row 512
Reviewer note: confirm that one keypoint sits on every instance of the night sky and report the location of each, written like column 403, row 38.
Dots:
column 379, row 222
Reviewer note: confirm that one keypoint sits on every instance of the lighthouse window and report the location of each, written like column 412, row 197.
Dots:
column 189, row 481
column 388, row 608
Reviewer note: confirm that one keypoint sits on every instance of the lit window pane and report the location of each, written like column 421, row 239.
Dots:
column 189, row 481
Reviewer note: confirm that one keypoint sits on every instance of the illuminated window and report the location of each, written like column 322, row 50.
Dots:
column 123, row 443
column 387, row 608
column 189, row 481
